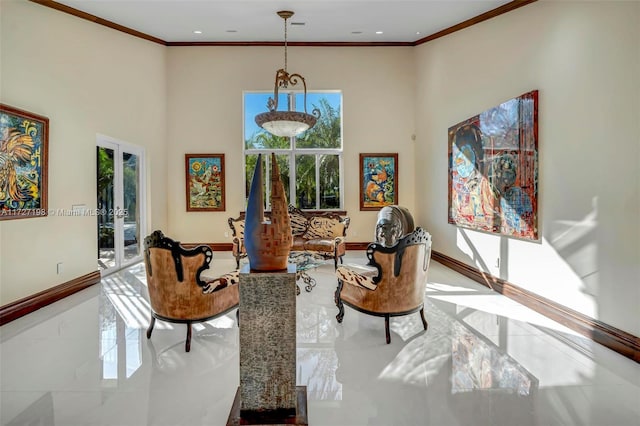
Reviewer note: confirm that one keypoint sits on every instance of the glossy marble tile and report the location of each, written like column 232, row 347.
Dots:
column 484, row 360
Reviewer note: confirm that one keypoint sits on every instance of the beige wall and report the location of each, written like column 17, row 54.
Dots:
column 584, row 58
column 86, row 79
column 205, row 86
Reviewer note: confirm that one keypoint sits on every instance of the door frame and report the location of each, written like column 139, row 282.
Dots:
column 119, row 147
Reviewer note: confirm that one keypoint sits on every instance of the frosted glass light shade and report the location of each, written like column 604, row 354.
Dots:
column 285, row 123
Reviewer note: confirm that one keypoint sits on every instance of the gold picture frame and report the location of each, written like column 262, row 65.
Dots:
column 205, row 185
column 24, row 148
column 378, row 180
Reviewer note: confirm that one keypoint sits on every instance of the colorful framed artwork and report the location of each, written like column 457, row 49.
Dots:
column 24, row 145
column 378, row 180
column 205, row 182
column 493, row 169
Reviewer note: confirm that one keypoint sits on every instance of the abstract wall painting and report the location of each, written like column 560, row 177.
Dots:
column 493, row 169
column 378, row 180
column 204, row 175
column 24, row 144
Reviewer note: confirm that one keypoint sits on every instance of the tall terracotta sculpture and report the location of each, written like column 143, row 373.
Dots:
column 268, row 242
column 267, row 315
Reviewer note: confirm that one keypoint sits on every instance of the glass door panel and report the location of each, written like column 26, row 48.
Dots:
column 120, row 199
column 106, row 226
column 130, row 212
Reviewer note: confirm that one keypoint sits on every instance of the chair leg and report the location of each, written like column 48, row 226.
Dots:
column 187, row 346
column 424, row 321
column 238, row 317
column 338, row 301
column 386, row 328
column 151, row 324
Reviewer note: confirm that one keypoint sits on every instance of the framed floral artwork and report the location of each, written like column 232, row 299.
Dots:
column 24, row 145
column 204, row 176
column 378, row 180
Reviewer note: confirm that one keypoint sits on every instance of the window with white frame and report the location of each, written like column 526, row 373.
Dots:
column 310, row 163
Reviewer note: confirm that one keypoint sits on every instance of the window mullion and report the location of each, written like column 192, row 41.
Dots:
column 317, row 181
column 293, row 172
column 267, row 151
column 291, row 101
column 292, row 180
column 267, row 174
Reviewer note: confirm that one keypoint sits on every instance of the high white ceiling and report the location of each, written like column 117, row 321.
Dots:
column 352, row 21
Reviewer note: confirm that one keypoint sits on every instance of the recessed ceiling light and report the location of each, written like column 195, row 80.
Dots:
column 197, row 32
column 232, row 31
column 298, row 23
column 417, row 32
column 356, row 32
column 379, row 32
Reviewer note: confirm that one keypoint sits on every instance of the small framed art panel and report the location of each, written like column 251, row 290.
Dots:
column 24, row 147
column 205, row 185
column 378, row 180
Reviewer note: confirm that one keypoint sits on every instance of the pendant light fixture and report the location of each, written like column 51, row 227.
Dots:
column 286, row 123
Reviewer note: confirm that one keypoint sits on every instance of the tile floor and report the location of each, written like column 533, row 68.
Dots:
column 485, row 360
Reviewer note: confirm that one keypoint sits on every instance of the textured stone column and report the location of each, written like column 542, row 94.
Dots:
column 268, row 341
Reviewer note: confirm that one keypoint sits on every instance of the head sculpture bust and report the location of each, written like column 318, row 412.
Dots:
column 394, row 222
column 268, row 242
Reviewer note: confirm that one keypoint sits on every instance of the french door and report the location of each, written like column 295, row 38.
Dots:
column 121, row 202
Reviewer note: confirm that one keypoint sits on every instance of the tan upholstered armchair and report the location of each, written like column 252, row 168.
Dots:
column 177, row 292
column 392, row 284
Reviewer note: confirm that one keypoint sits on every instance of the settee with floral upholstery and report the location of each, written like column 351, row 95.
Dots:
column 321, row 233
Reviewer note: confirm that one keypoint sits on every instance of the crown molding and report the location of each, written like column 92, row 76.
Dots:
column 515, row 4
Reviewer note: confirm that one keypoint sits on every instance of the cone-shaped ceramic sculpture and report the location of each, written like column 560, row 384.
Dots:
column 267, row 242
